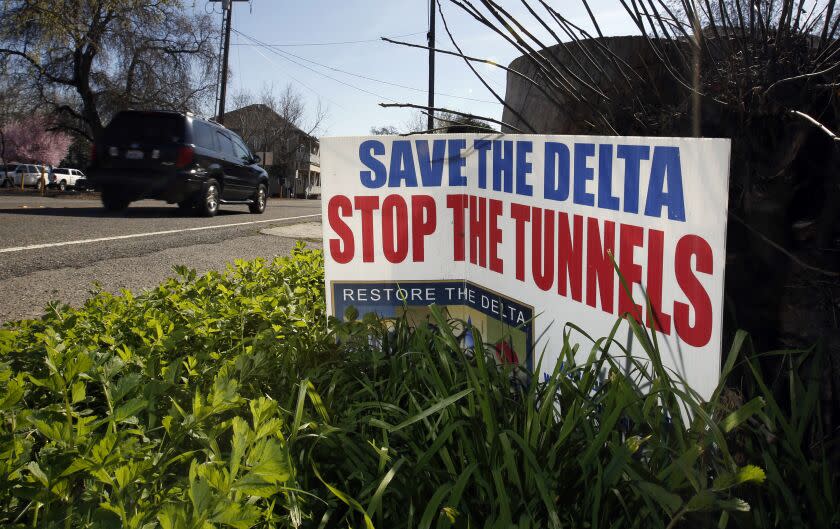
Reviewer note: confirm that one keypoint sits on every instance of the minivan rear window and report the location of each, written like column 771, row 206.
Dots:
column 143, row 127
column 226, row 145
column 204, row 136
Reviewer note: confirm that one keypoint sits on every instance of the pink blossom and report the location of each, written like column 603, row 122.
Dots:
column 29, row 140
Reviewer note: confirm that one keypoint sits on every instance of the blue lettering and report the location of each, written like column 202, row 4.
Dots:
column 503, row 163
column 666, row 167
column 632, row 155
column 457, row 163
column 557, row 161
column 481, row 147
column 583, row 174
column 523, row 168
column 402, row 165
column 606, row 200
column 431, row 167
column 379, row 176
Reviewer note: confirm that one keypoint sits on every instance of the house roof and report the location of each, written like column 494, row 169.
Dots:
column 261, row 108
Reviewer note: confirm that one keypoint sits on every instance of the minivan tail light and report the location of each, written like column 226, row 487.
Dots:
column 92, row 152
column 185, row 156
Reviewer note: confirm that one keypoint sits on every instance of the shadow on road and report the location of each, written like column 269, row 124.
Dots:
column 100, row 212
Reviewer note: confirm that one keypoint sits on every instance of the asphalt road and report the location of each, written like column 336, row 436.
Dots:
column 59, row 248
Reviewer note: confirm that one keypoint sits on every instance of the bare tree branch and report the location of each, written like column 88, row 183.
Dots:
column 815, row 123
column 499, row 98
column 456, row 112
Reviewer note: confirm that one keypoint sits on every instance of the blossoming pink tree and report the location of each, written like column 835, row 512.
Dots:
column 30, row 140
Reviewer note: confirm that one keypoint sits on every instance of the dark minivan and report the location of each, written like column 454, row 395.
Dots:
column 175, row 157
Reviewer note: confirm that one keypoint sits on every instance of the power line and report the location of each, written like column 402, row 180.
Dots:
column 295, row 79
column 338, row 43
column 283, row 56
column 360, row 76
column 319, row 73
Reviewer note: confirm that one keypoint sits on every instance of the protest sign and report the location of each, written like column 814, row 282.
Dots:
column 518, row 235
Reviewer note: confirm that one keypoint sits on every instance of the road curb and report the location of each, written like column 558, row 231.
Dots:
column 307, row 231
column 316, row 217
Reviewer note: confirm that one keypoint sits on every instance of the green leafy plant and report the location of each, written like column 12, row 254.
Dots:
column 156, row 410
column 229, row 400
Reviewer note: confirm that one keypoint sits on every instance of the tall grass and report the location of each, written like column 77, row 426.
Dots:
column 419, row 433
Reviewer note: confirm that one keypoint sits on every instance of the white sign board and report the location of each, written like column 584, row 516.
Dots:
column 517, row 235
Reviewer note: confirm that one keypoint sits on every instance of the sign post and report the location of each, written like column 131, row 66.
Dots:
column 519, row 235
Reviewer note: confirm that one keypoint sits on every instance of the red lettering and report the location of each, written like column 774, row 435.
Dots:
column 570, row 256
column 630, row 238
column 394, row 212
column 366, row 205
column 458, row 205
column 542, row 242
column 700, row 333
column 656, row 316
column 341, row 249
column 478, row 231
column 599, row 266
column 521, row 214
column 423, row 223
column 496, row 209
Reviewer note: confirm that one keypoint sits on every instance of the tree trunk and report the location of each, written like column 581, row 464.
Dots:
column 82, row 63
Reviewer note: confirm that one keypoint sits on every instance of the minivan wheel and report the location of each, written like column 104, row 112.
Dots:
column 62, row 186
column 208, row 203
column 259, row 200
column 114, row 200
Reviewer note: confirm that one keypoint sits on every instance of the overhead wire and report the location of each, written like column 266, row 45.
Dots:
column 283, row 56
column 298, row 81
column 337, row 43
column 373, row 79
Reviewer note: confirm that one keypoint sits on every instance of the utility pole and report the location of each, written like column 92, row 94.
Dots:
column 431, row 37
column 225, row 54
column 227, row 14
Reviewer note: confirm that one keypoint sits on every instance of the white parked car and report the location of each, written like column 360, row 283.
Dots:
column 30, row 174
column 63, row 178
column 7, row 174
column 313, row 188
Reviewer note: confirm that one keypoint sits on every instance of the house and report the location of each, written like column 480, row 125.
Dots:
column 290, row 155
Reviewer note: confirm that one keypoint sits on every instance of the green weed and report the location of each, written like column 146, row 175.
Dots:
column 227, row 400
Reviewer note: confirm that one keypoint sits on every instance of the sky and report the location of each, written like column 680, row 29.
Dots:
column 312, row 39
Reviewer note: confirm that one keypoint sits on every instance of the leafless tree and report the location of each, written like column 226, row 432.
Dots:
column 89, row 58
column 416, row 123
column 384, row 130
column 278, row 121
column 444, row 121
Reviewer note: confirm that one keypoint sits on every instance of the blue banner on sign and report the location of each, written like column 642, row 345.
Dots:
column 504, row 323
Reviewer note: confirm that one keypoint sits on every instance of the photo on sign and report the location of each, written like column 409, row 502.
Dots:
column 502, row 323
